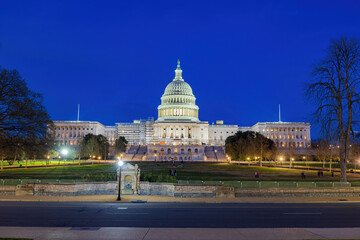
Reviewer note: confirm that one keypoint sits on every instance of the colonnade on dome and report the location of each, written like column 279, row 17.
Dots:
column 178, row 112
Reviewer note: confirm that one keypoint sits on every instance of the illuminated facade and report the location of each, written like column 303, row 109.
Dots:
column 178, row 124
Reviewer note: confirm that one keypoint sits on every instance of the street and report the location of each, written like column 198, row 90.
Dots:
column 179, row 215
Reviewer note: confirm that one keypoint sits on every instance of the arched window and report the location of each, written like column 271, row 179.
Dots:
column 169, row 150
column 162, row 151
column 189, row 150
column 155, row 150
column 182, row 150
column 196, row 150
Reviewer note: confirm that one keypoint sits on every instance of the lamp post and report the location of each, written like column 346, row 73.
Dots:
column 120, row 163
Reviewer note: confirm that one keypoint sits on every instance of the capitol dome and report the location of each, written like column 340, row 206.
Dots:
column 178, row 101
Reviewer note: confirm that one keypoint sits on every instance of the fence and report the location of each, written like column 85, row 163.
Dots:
column 274, row 184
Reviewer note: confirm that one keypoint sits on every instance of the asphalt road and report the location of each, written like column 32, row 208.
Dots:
column 181, row 215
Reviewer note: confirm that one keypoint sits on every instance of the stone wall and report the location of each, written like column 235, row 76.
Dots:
column 147, row 188
column 7, row 190
column 195, row 190
column 298, row 192
column 172, row 189
column 75, row 189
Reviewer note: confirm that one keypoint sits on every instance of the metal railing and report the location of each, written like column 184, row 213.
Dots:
column 272, row 184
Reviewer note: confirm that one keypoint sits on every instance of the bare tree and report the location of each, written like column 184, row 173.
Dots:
column 335, row 92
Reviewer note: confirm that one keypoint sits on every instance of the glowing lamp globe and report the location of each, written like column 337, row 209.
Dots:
column 64, row 152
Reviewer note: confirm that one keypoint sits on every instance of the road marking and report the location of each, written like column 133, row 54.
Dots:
column 304, row 213
column 122, row 208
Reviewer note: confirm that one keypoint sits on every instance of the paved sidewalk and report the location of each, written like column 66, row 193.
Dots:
column 157, row 198
column 40, row 233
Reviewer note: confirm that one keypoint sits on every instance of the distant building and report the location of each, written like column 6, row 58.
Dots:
column 178, row 124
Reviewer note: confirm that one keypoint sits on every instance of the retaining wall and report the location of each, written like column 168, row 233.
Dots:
column 7, row 190
column 172, row 189
column 75, row 189
column 298, row 192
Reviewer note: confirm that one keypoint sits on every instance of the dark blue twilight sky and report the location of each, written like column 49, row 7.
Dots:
column 115, row 58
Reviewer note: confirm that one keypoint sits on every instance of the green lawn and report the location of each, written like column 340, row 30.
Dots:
column 40, row 162
column 189, row 171
column 60, row 172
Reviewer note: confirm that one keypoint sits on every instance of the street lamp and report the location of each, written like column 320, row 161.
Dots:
column 64, row 152
column 281, row 159
column 120, row 163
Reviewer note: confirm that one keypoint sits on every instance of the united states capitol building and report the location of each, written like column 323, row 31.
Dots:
column 178, row 133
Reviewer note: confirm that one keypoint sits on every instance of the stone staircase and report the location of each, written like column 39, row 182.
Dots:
column 215, row 154
column 140, row 153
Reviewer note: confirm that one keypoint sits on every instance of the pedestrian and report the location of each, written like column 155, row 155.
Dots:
column 319, row 174
column 175, row 173
column 332, row 174
column 302, row 175
column 255, row 174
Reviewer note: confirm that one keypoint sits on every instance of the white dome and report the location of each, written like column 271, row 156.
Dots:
column 178, row 101
column 178, row 87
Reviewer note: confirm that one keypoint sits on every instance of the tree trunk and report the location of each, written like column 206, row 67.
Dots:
column 343, row 177
column 261, row 153
column 2, row 162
